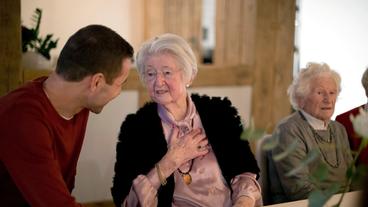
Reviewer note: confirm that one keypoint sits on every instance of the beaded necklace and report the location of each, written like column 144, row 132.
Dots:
column 331, row 139
column 320, row 139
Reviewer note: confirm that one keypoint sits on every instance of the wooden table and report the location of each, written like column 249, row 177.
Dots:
column 351, row 199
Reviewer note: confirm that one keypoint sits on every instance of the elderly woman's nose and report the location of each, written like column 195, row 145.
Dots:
column 160, row 78
column 327, row 97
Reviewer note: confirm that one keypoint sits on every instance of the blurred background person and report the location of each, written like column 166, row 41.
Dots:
column 313, row 95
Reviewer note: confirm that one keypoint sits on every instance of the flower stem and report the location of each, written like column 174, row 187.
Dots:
column 352, row 167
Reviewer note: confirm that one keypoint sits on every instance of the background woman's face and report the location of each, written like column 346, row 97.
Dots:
column 320, row 102
column 164, row 80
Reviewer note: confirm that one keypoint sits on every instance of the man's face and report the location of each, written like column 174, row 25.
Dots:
column 108, row 92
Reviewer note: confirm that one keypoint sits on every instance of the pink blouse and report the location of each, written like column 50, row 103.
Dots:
column 208, row 187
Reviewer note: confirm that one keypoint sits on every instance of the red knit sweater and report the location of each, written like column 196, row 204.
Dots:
column 39, row 149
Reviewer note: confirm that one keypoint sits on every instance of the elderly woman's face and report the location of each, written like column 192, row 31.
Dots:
column 164, row 80
column 320, row 102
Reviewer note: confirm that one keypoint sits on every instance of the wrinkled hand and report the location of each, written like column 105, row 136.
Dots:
column 244, row 201
column 190, row 146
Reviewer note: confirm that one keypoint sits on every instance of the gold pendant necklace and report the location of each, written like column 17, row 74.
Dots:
column 187, row 178
column 186, row 175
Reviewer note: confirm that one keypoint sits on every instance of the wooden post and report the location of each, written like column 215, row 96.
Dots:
column 10, row 46
column 274, row 61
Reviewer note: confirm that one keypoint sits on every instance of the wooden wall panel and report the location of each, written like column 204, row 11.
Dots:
column 235, row 29
column 182, row 17
column 247, row 31
column 283, row 59
column 207, row 76
column 274, row 58
column 220, row 36
column 10, row 46
column 154, row 18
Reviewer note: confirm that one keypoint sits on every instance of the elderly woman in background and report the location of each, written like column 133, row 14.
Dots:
column 344, row 119
column 181, row 150
column 313, row 95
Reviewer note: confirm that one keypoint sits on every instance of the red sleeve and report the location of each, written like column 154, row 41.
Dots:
column 28, row 156
column 344, row 119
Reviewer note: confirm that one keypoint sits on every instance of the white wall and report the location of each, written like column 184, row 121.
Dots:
column 97, row 159
column 63, row 18
column 240, row 96
column 335, row 32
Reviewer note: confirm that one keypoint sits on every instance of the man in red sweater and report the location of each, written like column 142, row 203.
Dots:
column 43, row 123
column 344, row 119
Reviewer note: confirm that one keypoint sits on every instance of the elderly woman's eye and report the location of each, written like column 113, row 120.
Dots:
column 167, row 73
column 151, row 73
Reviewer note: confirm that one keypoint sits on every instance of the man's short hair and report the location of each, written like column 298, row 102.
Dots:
column 93, row 49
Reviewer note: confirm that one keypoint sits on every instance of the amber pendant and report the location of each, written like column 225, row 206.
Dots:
column 187, row 178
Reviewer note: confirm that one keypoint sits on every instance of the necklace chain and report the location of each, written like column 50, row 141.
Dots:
column 187, row 178
column 190, row 168
column 318, row 139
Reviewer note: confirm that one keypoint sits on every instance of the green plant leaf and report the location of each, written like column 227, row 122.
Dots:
column 318, row 198
column 359, row 176
column 320, row 173
column 270, row 144
column 32, row 41
column 251, row 133
column 285, row 153
column 350, row 171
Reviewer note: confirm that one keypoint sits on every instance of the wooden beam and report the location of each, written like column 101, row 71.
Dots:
column 274, row 58
column 10, row 46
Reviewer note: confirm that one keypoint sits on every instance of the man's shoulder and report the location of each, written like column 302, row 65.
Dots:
column 24, row 96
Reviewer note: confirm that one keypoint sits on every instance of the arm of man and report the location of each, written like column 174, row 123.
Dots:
column 29, row 158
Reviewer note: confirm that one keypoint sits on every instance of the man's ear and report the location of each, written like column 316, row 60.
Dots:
column 97, row 80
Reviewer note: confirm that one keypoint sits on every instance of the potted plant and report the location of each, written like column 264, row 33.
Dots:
column 36, row 49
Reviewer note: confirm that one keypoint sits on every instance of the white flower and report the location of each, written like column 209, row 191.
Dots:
column 360, row 123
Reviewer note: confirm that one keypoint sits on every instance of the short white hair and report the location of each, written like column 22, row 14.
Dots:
column 300, row 87
column 168, row 44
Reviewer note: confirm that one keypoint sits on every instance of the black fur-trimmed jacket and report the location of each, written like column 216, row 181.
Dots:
column 142, row 144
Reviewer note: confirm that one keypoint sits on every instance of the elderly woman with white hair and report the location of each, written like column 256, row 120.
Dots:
column 313, row 95
column 181, row 149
